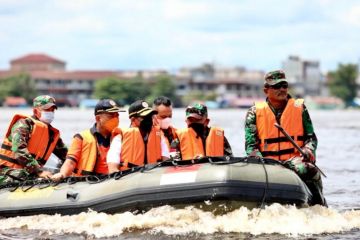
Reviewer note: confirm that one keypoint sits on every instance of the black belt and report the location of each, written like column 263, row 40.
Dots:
column 282, row 139
column 278, row 153
column 8, row 159
column 6, row 147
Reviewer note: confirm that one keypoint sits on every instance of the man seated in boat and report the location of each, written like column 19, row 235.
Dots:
column 29, row 142
column 88, row 150
column 263, row 139
column 163, row 106
column 142, row 143
column 198, row 139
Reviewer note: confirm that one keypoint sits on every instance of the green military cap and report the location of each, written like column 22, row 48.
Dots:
column 197, row 111
column 44, row 102
column 275, row 77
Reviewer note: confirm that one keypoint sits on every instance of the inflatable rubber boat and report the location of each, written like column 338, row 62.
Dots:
column 207, row 183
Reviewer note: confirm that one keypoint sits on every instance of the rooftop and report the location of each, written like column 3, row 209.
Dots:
column 36, row 58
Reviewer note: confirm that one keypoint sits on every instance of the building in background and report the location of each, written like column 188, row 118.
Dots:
column 68, row 87
column 232, row 86
column 304, row 76
column 236, row 86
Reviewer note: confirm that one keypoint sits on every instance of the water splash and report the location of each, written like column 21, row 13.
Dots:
column 274, row 219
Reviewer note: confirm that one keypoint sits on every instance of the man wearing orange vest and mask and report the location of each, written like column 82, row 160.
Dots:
column 29, row 142
column 198, row 140
column 263, row 139
column 141, row 143
column 88, row 150
column 163, row 118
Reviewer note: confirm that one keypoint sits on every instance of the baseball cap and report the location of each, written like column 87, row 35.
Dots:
column 140, row 108
column 107, row 106
column 275, row 77
column 44, row 102
column 197, row 111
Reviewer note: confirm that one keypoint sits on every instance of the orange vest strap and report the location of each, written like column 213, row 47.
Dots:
column 88, row 157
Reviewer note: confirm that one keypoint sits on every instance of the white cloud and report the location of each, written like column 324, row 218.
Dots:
column 352, row 17
column 182, row 10
column 172, row 33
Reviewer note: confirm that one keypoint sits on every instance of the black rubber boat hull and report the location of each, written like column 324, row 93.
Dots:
column 238, row 184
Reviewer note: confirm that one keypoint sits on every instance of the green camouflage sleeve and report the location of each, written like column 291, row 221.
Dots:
column 20, row 135
column 309, row 133
column 251, row 135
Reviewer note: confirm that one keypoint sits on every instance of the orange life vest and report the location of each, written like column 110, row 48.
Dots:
column 39, row 145
column 133, row 147
column 273, row 143
column 93, row 157
column 192, row 146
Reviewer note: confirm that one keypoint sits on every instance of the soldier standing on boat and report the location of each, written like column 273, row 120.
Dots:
column 142, row 143
column 198, row 139
column 29, row 142
column 263, row 139
column 88, row 150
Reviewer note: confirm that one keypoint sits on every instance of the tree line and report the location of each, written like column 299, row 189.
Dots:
column 21, row 85
column 341, row 82
column 126, row 91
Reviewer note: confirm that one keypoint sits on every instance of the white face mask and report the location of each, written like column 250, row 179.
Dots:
column 165, row 123
column 47, row 117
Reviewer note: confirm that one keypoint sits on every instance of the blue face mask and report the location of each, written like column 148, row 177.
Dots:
column 47, row 117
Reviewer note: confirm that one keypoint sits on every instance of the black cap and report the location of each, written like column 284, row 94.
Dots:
column 140, row 108
column 107, row 106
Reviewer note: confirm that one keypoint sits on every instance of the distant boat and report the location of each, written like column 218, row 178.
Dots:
column 15, row 102
column 88, row 103
column 245, row 102
column 324, row 103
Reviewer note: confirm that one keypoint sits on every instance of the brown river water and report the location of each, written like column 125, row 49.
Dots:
column 338, row 151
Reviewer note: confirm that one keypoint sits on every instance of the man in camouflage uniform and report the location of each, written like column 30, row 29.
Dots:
column 14, row 150
column 276, row 90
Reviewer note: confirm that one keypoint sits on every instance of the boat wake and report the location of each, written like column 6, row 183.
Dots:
column 274, row 219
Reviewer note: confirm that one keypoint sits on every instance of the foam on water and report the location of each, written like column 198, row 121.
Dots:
column 286, row 220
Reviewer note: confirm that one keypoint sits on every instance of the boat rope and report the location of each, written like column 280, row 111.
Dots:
column 263, row 201
column 29, row 183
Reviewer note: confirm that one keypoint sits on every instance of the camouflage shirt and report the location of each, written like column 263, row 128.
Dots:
column 20, row 136
column 252, row 141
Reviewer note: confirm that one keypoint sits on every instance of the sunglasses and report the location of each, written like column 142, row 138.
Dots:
column 280, row 85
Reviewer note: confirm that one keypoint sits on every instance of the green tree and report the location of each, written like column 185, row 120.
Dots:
column 125, row 91
column 199, row 96
column 164, row 86
column 342, row 82
column 21, row 85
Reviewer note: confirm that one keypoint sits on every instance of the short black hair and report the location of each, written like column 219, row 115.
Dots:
column 162, row 100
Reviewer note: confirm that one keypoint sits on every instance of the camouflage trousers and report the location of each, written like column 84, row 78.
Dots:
column 8, row 175
column 311, row 176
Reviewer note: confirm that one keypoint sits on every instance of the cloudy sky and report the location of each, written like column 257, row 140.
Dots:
column 159, row 34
